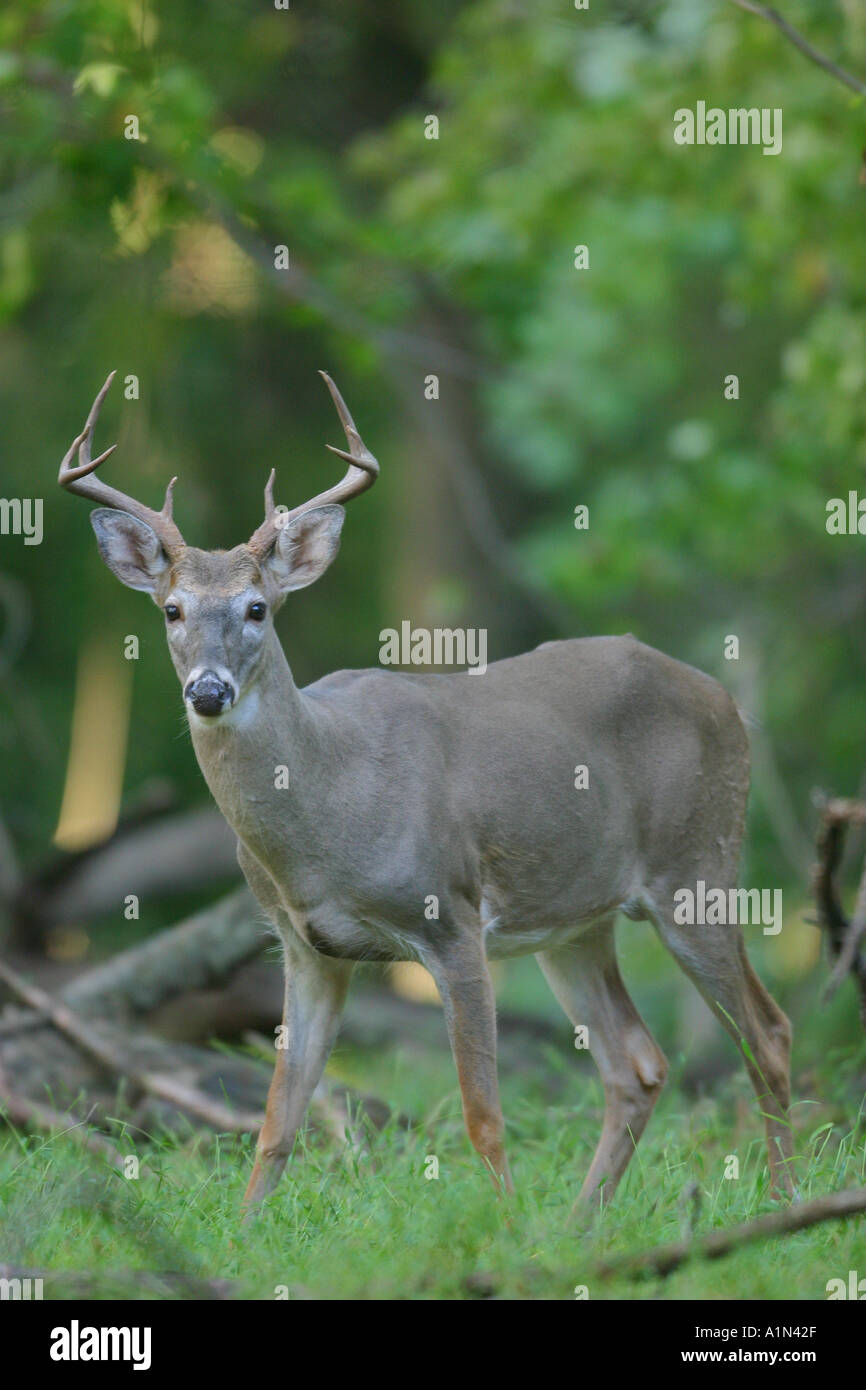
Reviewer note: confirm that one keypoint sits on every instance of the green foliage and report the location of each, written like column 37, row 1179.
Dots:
column 602, row 386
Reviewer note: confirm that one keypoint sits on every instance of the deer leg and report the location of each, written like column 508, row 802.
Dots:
column 585, row 978
column 714, row 957
column 315, row 993
column 463, row 980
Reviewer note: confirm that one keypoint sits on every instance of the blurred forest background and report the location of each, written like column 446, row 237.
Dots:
column 412, row 257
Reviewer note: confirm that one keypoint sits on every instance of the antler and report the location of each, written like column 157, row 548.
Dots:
column 362, row 473
column 80, row 480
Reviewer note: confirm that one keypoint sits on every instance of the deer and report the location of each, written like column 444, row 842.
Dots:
column 405, row 790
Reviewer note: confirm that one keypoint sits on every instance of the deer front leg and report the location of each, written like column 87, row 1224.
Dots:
column 315, row 993
column 463, row 980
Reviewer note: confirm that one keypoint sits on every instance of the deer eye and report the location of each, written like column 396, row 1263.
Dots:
column 256, row 612
column 172, row 612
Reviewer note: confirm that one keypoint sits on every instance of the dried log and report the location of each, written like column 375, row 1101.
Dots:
column 664, row 1259
column 166, row 855
column 49, row 1064
column 21, row 1021
column 377, row 1017
column 155, row 851
column 83, row 1062
column 250, row 1000
column 201, row 952
column 160, row 1081
column 211, row 1075
column 178, row 974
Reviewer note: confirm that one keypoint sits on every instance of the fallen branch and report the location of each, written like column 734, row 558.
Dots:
column 74, row 1044
column 203, row 951
column 110, row 1058
column 664, row 1259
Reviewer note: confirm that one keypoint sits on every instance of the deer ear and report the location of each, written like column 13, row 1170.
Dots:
column 305, row 548
column 132, row 551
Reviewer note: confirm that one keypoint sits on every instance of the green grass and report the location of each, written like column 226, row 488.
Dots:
column 371, row 1226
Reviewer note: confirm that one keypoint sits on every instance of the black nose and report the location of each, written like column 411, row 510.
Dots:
column 208, row 694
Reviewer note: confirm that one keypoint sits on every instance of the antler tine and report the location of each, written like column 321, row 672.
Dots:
column 82, row 443
column 80, row 480
column 364, row 468
column 362, row 473
column 269, row 494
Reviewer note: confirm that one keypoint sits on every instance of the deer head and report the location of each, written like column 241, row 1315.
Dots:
column 218, row 604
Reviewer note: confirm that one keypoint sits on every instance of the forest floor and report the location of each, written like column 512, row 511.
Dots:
column 368, row 1222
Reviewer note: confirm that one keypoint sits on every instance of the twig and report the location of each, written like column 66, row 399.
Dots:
column 796, row 38
column 108, row 1058
column 63, row 1019
column 665, row 1258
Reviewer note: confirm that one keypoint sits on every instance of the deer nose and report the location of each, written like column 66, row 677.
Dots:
column 208, row 694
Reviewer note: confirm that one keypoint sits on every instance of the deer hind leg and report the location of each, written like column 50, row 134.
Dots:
column 585, row 978
column 714, row 957
column 463, row 979
column 315, row 993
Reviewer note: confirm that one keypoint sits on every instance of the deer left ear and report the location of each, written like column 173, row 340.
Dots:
column 305, row 548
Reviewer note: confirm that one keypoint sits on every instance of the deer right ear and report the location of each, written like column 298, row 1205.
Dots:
column 132, row 551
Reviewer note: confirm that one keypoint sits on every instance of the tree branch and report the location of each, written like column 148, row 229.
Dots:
column 772, row 16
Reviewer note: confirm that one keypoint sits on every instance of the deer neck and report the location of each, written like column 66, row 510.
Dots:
column 263, row 762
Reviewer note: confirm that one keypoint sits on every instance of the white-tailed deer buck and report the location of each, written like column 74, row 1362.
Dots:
column 406, row 787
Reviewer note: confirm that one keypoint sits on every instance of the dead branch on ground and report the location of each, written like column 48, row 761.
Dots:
column 664, row 1259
